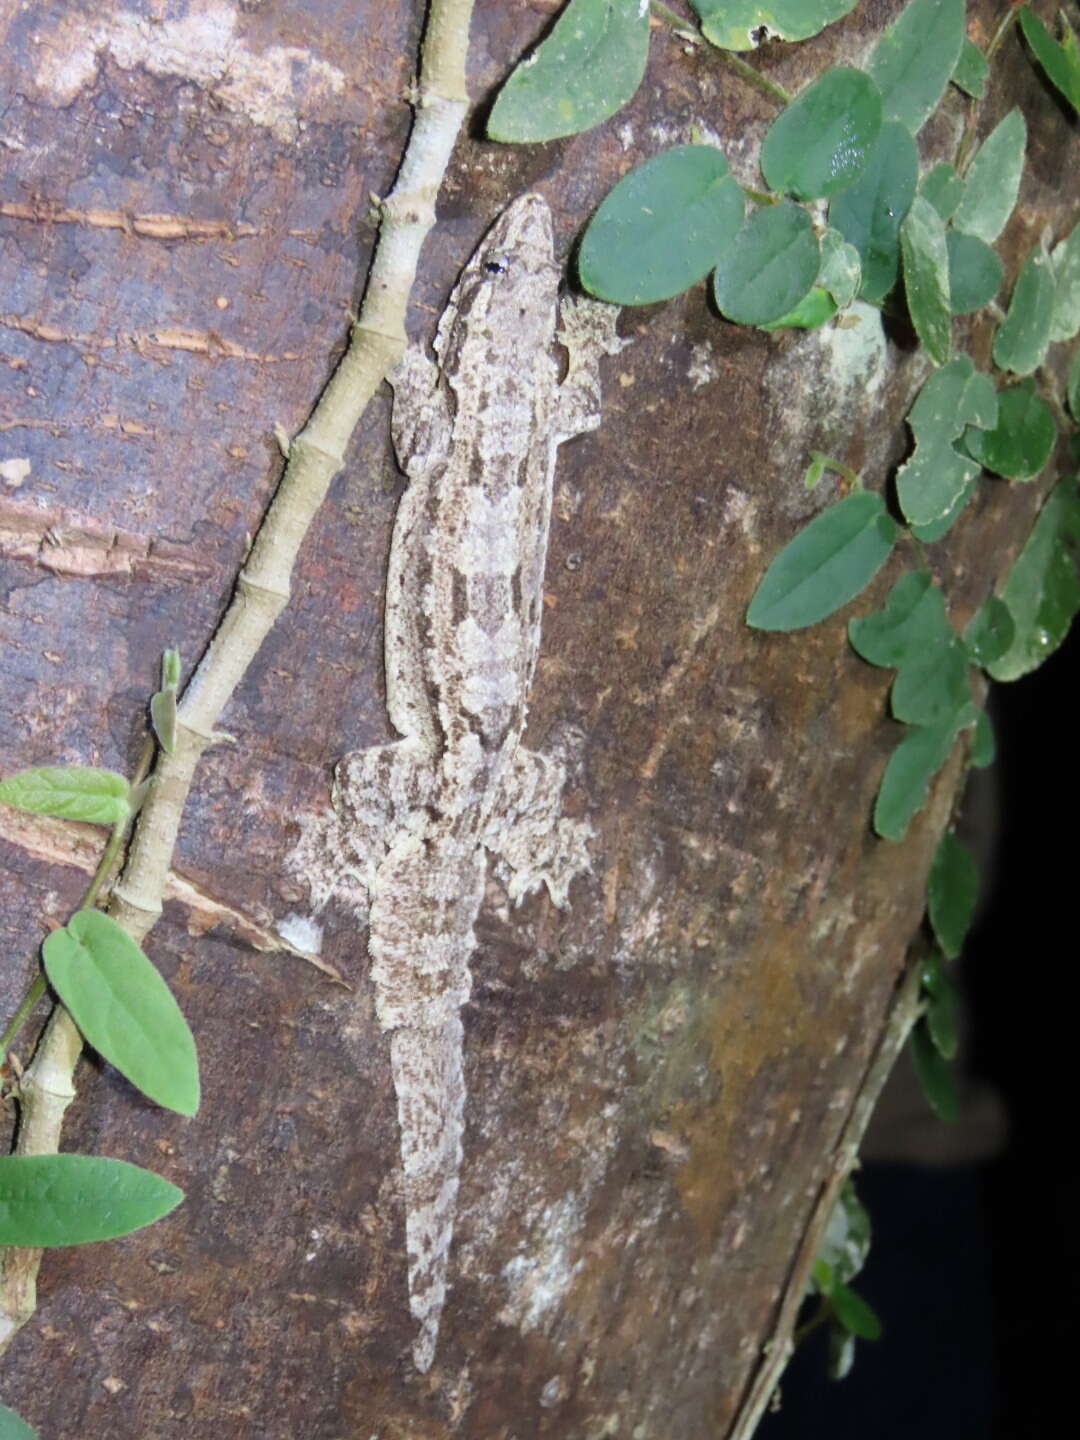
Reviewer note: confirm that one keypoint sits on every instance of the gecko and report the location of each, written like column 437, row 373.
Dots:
column 414, row 822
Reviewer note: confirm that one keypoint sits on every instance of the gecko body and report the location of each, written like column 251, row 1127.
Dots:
column 415, row 821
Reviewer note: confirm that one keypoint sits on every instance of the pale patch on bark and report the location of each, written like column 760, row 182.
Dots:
column 271, row 87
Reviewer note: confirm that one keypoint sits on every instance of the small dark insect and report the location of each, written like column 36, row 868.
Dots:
column 497, row 265
column 760, row 35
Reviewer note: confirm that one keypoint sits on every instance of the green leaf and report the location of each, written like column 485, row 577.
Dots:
column 841, row 268
column 841, row 1352
column 170, row 669
column 1060, row 62
column 827, row 563
column 1043, row 587
column 910, row 623
column 912, row 765
column 662, row 228
column 932, row 687
column 1073, row 386
column 48, row 1200
column 991, row 631
column 951, row 893
column 928, row 534
column 846, row 1242
column 812, row 311
column 1019, row 445
column 993, row 179
column 737, row 24
column 944, row 189
column 1022, row 338
column 70, row 792
column 926, row 277
column 12, row 1428
column 931, row 483
column 820, row 143
column 914, row 59
column 854, row 1313
column 942, row 1011
column 983, row 748
column 124, row 1008
column 975, row 272
column 589, row 66
column 870, row 213
column 1066, row 262
column 163, row 719
column 970, row 71
column 769, row 267
column 934, row 1074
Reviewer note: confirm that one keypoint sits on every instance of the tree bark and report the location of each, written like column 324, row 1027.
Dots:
column 666, row 1081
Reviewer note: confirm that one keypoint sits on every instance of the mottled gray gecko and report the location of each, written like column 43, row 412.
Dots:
column 414, row 821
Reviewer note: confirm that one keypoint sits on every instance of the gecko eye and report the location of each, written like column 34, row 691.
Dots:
column 497, row 265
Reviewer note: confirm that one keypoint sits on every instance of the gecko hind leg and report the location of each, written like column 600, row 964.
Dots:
column 533, row 842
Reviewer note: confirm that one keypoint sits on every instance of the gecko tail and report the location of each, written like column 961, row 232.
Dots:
column 430, row 1086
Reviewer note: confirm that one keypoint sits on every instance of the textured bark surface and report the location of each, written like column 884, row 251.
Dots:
column 656, row 1079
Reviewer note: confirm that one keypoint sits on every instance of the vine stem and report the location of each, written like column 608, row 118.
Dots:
column 376, row 343
column 967, row 140
column 683, row 28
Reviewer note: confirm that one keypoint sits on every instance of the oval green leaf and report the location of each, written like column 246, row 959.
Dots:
column 912, row 765
column 820, row 144
column 911, row 623
column 934, row 531
column 48, row 1200
column 951, row 893
column 811, row 313
column 915, row 58
column 854, row 1313
column 739, row 24
column 975, row 272
column 944, row 189
column 991, row 631
column 932, row 686
column 971, row 70
column 124, row 1008
column 1043, row 587
column 1019, row 445
column 870, row 213
column 70, row 792
column 590, row 65
column 1066, row 261
column 825, row 565
column 163, row 719
column 983, row 746
column 934, row 1074
column 942, row 1012
column 662, row 228
column 769, row 267
column 841, row 268
column 1060, row 62
column 1023, row 337
column 926, row 277
column 14, row 1428
column 993, row 179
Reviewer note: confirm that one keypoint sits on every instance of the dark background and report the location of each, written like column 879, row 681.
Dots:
column 974, row 1268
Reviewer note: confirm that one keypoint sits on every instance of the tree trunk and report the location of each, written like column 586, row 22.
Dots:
column 666, row 1082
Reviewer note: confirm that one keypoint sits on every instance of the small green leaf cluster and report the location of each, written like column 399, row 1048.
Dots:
column 1061, row 62
column 841, row 1255
column 951, row 895
column 123, row 1009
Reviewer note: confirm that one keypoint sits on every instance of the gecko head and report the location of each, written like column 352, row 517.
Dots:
column 520, row 237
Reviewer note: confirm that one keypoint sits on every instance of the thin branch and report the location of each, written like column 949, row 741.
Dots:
column 683, row 29
column 316, row 455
